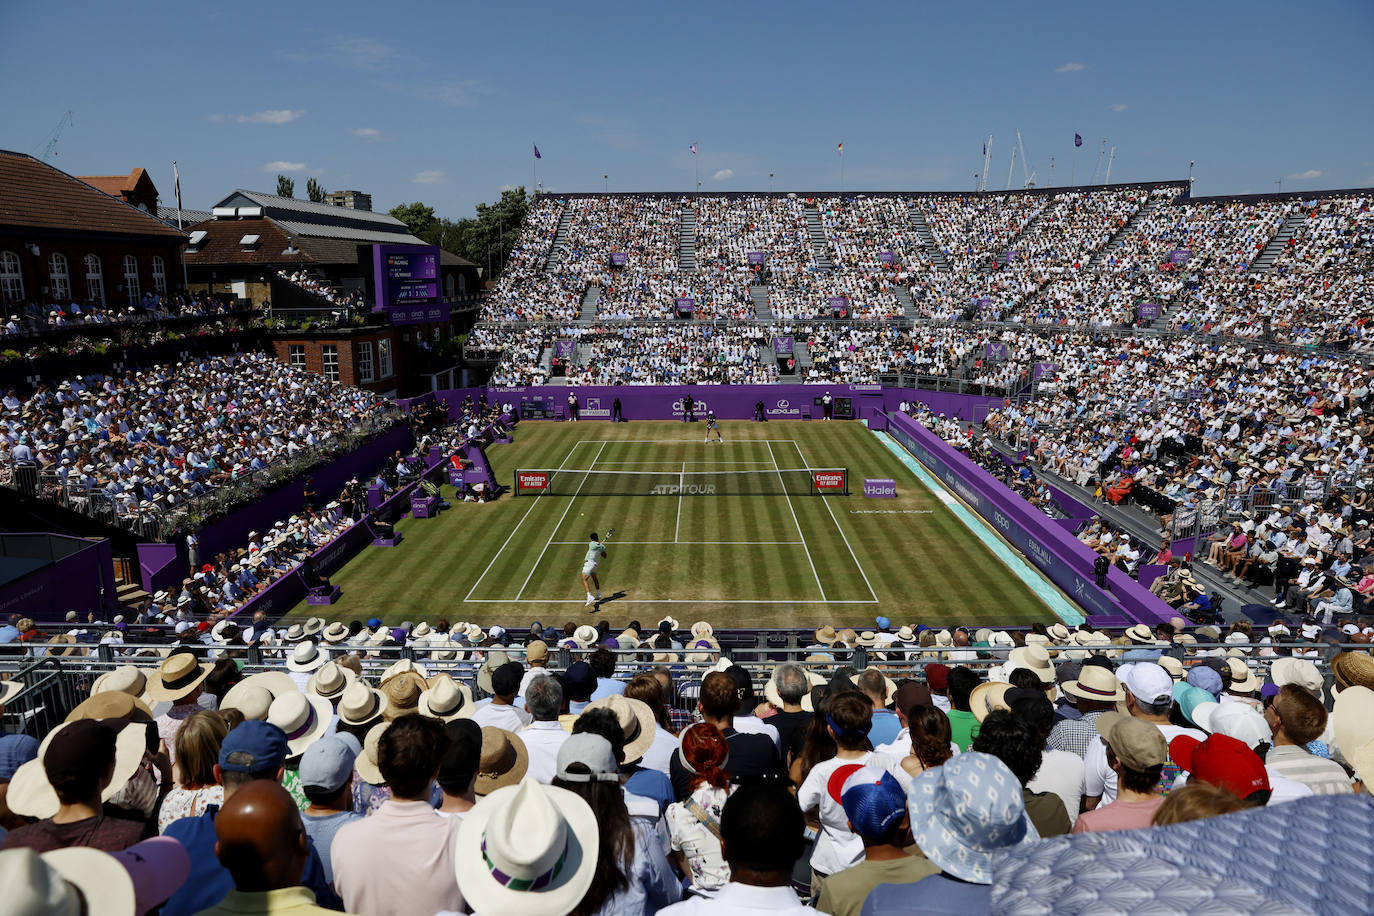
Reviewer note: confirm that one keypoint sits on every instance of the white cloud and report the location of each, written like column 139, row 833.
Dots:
column 429, row 176
column 272, row 116
column 1119, row 106
column 1070, row 67
column 216, row 118
column 723, row 174
column 367, row 133
column 1310, row 173
column 281, row 165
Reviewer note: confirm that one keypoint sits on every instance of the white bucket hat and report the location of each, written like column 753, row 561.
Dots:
column 306, row 656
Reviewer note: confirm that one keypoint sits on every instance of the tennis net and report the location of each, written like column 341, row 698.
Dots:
column 788, row 482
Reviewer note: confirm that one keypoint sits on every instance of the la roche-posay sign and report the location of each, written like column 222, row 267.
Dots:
column 881, row 488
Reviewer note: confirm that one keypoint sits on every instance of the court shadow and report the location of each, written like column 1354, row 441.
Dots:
column 609, row 598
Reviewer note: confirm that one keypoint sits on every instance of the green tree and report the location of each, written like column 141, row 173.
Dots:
column 488, row 238
column 285, row 187
column 314, row 190
column 418, row 217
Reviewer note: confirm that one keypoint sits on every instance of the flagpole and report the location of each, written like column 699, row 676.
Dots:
column 176, row 183
column 1073, row 170
column 1051, row 171
column 696, row 169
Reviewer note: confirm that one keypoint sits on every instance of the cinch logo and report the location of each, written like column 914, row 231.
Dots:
column 534, row 481
column 698, row 405
column 673, row 489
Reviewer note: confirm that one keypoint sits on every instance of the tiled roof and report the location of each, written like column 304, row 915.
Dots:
column 352, row 233
column 332, row 251
column 36, row 195
column 221, row 245
column 113, row 185
column 188, row 217
column 292, row 204
column 449, row 259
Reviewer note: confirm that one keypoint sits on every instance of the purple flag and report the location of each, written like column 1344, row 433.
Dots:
column 693, row 148
column 1077, row 140
column 985, row 149
column 536, row 152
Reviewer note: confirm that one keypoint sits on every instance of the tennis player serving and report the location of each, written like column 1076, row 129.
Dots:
column 595, row 551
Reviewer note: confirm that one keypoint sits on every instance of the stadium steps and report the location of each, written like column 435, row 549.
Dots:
column 687, row 241
column 918, row 221
column 130, row 594
column 908, row 304
column 560, row 239
column 590, row 299
column 802, row 352
column 762, row 310
column 818, row 244
column 1125, row 231
column 1265, row 261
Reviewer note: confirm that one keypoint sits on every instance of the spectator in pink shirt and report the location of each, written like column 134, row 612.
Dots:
column 1136, row 750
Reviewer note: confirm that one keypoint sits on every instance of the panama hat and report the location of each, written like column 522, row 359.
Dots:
column 585, row 635
column 294, row 633
column 1032, row 658
column 31, row 795
column 306, row 656
column 1299, row 672
column 848, row 637
column 495, row 659
column 1037, row 639
column 504, row 760
column 702, row 630
column 944, row 638
column 329, row 681
column 1353, row 669
column 673, row 625
column 965, row 812
column 313, row 625
column 111, row 704
column 1173, row 666
column 868, row 639
column 253, row 695
column 10, row 689
column 73, row 879
column 475, row 634
column 403, row 694
column 366, row 761
column 129, row 679
column 177, row 676
column 220, row 631
column 1001, row 639
column 403, row 666
column 1140, row 633
column 446, row 699
column 304, row 719
column 1243, row 680
column 636, row 721
column 826, row 635
column 336, row 632
column 986, row 697
column 527, row 850
column 361, row 704
column 1058, row 632
column 1095, row 683
column 421, row 630
column 906, row 634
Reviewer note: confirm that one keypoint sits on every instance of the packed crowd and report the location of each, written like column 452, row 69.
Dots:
column 34, row 319
column 315, row 286
column 163, row 437
column 525, row 291
column 587, row 771
column 675, row 354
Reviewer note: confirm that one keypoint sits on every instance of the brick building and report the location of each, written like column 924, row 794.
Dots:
column 136, row 189
column 368, row 357
column 63, row 240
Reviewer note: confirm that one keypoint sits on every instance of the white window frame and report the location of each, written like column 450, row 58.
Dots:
column 365, row 361
column 329, row 361
column 384, row 362
column 11, row 277
column 95, row 279
column 132, row 288
column 59, row 277
column 159, row 275
column 295, row 356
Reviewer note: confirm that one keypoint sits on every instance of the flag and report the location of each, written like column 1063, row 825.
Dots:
column 536, row 151
column 176, row 175
column 985, row 149
column 1077, row 140
column 693, row 148
column 841, row 149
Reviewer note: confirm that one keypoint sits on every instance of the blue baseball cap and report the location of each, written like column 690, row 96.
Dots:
column 257, row 748
column 873, row 801
column 882, row 622
column 374, row 622
column 1206, row 678
column 15, row 751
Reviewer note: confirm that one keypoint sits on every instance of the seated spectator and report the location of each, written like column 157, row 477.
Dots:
column 1297, row 718
column 751, row 756
column 544, row 735
column 458, row 770
column 1015, row 742
column 962, row 723
column 197, row 748
column 694, row 825
column 326, row 773
column 1137, row 753
column 931, row 740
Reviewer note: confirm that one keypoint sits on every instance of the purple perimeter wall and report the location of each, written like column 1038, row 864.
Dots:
column 81, row 581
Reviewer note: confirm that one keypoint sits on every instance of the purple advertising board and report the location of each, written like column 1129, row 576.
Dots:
column 995, row 350
column 617, row 259
column 838, row 303
column 563, row 349
column 983, row 303
column 754, row 257
column 783, row 346
column 78, row 577
column 1011, row 256
column 405, row 275
column 1148, row 309
column 685, row 306
column 1045, row 370
column 428, row 313
column 880, row 488
column 1180, row 255
column 886, row 257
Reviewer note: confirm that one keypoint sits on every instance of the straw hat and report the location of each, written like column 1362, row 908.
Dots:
column 1173, row 666
column 1095, row 683
column 313, row 626
column 1352, row 721
column 446, row 699
column 303, row 718
column 503, row 762
column 1353, row 669
column 868, row 639
column 366, row 762
column 306, row 656
column 906, row 634
column 111, row 704
column 403, row 666
column 704, row 650
column 294, row 633
column 10, row 689
column 64, row 644
column 585, row 635
column 672, row 623
column 848, row 637
column 1243, row 680
column 129, row 679
column 178, row 676
column 1032, row 658
column 826, row 635
column 702, row 630
column 361, row 704
column 475, row 634
column 31, row 795
column 1140, row 633
column 1001, row 639
column 422, row 630
column 403, row 694
column 253, row 695
column 1059, row 633
column 329, row 681
column 986, row 697
column 944, row 638
column 889, row 686
column 529, row 849
column 636, row 720
column 495, row 659
column 336, row 632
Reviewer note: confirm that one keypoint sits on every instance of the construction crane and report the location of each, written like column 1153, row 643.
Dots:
column 1028, row 180
column 50, row 147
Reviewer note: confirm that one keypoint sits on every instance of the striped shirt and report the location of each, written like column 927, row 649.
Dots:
column 1075, row 735
column 1322, row 776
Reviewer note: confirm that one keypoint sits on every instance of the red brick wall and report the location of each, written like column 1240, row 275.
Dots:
column 348, row 357
column 111, row 253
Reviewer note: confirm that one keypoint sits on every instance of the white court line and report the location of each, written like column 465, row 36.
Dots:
column 553, row 533
column 680, row 481
column 672, row 441
column 719, row 543
column 711, row 463
column 853, row 555
column 672, row 601
column 534, row 502
column 800, row 533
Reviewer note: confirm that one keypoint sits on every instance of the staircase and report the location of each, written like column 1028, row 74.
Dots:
column 687, row 241
column 589, row 302
column 932, row 249
column 762, row 310
column 1023, row 231
column 546, row 364
column 818, row 243
column 560, row 239
column 908, row 304
column 1125, row 231
column 802, row 352
column 130, row 595
column 1266, row 258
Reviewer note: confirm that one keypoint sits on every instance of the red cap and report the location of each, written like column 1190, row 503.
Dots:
column 835, row 785
column 1222, row 761
column 937, row 677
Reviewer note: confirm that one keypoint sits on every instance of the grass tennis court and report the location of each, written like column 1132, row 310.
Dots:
column 747, row 559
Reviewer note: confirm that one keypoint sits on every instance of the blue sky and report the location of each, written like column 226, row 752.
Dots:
column 440, row 102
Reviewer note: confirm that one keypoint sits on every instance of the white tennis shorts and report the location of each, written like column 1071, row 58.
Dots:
column 588, row 568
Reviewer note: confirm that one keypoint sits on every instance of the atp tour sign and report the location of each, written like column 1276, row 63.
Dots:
column 677, row 489
column 829, row 481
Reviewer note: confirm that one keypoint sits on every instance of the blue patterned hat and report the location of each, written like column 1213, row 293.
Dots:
column 967, row 810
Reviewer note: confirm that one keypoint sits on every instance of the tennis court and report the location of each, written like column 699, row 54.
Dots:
column 733, row 532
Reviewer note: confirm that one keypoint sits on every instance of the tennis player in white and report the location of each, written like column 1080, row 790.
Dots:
column 595, row 551
column 712, row 426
